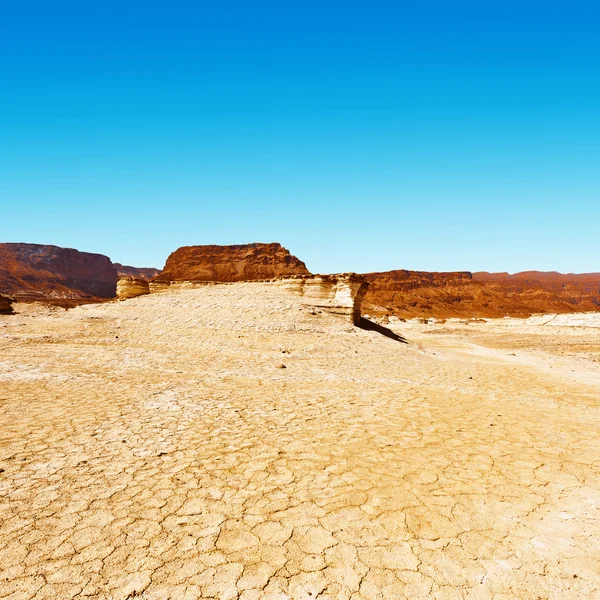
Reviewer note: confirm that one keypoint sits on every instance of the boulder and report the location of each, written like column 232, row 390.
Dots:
column 131, row 287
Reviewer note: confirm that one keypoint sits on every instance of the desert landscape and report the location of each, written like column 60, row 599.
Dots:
column 299, row 300
column 238, row 428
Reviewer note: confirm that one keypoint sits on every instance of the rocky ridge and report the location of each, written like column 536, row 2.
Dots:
column 37, row 271
column 137, row 272
column 68, row 277
column 409, row 294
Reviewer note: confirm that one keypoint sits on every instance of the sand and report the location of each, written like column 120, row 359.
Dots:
column 157, row 448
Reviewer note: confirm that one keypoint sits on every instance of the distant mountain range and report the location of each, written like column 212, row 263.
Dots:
column 67, row 276
column 59, row 275
column 410, row 294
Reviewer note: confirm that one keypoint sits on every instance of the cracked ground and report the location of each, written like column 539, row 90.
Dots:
column 158, row 448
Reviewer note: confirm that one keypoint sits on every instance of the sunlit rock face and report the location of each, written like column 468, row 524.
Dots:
column 131, row 287
column 138, row 272
column 39, row 271
column 340, row 294
column 409, row 294
column 245, row 262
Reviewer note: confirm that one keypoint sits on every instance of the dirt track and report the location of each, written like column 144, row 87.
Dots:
column 156, row 448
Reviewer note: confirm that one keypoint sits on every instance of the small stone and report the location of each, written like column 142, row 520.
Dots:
column 281, row 366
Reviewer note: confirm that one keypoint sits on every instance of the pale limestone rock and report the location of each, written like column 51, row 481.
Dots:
column 340, row 294
column 131, row 287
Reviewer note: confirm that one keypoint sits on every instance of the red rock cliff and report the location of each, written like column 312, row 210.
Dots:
column 246, row 262
column 462, row 294
column 31, row 271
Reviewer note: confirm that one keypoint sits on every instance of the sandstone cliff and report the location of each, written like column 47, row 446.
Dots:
column 410, row 294
column 137, row 272
column 35, row 271
column 246, row 262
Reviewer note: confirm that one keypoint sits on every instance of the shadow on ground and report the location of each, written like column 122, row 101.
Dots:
column 371, row 326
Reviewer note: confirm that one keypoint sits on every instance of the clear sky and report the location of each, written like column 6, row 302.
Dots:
column 361, row 135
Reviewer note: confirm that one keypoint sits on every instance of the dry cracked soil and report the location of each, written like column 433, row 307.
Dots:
column 156, row 448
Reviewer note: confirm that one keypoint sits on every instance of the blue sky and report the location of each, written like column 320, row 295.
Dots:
column 362, row 135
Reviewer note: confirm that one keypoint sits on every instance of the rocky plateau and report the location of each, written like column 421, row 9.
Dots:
column 245, row 262
column 409, row 294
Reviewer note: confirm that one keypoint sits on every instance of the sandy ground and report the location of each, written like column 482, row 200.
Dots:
column 155, row 448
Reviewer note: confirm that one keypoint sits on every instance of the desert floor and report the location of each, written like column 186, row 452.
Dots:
column 157, row 448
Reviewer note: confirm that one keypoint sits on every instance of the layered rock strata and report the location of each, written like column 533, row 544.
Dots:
column 340, row 294
column 36, row 271
column 131, row 287
column 246, row 262
column 409, row 294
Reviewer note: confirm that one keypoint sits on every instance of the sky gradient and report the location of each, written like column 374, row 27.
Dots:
column 362, row 136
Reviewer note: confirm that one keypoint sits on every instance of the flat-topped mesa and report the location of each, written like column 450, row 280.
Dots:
column 6, row 305
column 131, row 287
column 244, row 262
column 409, row 294
column 340, row 294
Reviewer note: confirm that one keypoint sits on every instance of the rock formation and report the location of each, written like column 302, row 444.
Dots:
column 35, row 271
column 131, row 287
column 6, row 305
column 137, row 272
column 247, row 262
column 338, row 294
column 408, row 294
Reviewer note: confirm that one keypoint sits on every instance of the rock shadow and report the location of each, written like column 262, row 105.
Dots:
column 371, row 326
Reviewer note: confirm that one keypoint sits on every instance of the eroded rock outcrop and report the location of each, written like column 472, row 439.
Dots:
column 131, row 287
column 137, row 272
column 340, row 294
column 36, row 271
column 408, row 294
column 6, row 305
column 246, row 262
